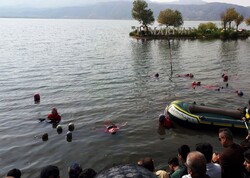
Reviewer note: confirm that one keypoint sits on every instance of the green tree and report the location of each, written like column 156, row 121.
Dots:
column 224, row 20
column 205, row 27
column 238, row 21
column 247, row 21
column 169, row 17
column 228, row 17
column 142, row 14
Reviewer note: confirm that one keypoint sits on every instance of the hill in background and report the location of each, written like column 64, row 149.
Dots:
column 122, row 10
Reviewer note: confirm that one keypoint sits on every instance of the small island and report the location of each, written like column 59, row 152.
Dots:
column 172, row 20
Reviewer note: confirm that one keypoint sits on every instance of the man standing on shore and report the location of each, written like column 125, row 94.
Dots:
column 231, row 159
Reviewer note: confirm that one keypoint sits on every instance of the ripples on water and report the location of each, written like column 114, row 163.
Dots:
column 92, row 72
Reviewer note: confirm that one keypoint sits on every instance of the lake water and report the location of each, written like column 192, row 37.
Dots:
column 92, row 72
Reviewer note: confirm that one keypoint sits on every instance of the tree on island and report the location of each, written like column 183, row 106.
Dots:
column 247, row 21
column 207, row 27
column 238, row 21
column 169, row 17
column 142, row 14
column 229, row 16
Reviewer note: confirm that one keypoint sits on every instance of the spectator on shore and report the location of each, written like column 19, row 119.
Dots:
column 148, row 163
column 87, row 173
column 183, row 151
column 74, row 170
column 213, row 169
column 231, row 159
column 196, row 164
column 174, row 167
column 247, row 163
column 50, row 171
column 15, row 173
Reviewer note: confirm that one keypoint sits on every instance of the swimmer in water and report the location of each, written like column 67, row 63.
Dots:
column 112, row 128
column 54, row 117
column 185, row 75
column 165, row 121
column 157, row 75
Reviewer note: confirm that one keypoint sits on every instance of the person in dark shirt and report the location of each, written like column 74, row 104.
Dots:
column 183, row 151
column 231, row 158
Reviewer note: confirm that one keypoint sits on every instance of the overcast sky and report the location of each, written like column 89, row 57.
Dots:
column 60, row 3
column 239, row 2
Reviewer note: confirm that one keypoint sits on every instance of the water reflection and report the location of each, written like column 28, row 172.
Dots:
column 228, row 56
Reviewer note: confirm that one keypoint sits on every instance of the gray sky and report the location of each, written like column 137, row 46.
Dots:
column 238, row 2
column 60, row 3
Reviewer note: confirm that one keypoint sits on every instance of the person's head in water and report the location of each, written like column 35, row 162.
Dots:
column 59, row 129
column 162, row 119
column 239, row 93
column 225, row 78
column 54, row 111
column 191, row 75
column 71, row 127
column 69, row 136
column 112, row 129
column 45, row 137
column 157, row 75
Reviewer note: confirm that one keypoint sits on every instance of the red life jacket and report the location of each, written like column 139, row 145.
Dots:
column 54, row 117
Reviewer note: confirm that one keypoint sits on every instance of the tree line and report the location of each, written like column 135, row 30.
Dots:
column 169, row 17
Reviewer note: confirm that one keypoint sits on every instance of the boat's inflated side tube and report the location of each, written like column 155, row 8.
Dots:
column 203, row 109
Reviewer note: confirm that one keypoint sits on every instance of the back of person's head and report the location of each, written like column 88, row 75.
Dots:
column 162, row 118
column 206, row 149
column 87, row 173
column 148, row 163
column 16, row 173
column 173, row 161
column 196, row 164
column 74, row 170
column 183, row 151
column 50, row 171
column 227, row 133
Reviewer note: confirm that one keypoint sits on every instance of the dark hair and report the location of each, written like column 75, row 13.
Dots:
column 162, row 118
column 183, row 150
column 228, row 134
column 74, row 170
column 148, row 163
column 173, row 161
column 16, row 173
column 87, row 173
column 49, row 171
column 206, row 149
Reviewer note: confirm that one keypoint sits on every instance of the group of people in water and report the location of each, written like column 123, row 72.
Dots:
column 225, row 79
column 54, row 118
column 203, row 162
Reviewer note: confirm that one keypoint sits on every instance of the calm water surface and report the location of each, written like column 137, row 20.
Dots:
column 93, row 72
